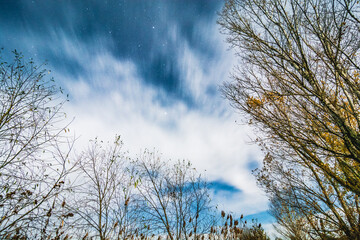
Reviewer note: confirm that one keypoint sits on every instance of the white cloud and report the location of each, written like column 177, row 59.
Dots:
column 111, row 98
column 199, row 73
column 127, row 107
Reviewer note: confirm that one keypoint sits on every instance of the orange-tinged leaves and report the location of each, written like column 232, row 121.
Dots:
column 254, row 102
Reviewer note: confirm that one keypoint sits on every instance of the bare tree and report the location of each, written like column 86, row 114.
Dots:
column 34, row 152
column 104, row 203
column 175, row 198
column 307, row 204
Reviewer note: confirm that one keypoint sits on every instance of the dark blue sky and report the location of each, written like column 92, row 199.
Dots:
column 149, row 33
column 149, row 71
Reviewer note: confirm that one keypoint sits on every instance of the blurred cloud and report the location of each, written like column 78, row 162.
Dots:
column 113, row 99
column 149, row 72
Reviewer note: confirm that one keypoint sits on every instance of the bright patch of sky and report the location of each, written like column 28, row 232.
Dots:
column 149, row 71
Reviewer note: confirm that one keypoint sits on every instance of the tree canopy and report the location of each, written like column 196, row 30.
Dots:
column 297, row 82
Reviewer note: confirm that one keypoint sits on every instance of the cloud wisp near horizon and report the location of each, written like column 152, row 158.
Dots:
column 150, row 72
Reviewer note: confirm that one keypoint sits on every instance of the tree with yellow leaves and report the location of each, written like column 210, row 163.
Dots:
column 298, row 82
column 308, row 204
